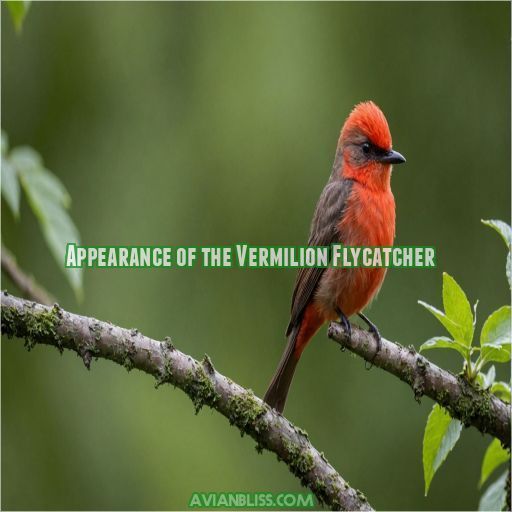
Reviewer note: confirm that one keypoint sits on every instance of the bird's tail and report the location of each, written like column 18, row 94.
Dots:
column 278, row 389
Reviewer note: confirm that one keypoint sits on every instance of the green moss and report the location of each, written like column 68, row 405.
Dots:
column 165, row 374
column 127, row 354
column 471, row 404
column 32, row 326
column 302, row 432
column 334, row 501
column 245, row 412
column 168, row 343
column 299, row 460
column 335, row 504
column 95, row 329
column 361, row 495
column 199, row 388
column 319, row 487
column 208, row 365
column 408, row 376
column 442, row 397
column 418, row 384
column 422, row 364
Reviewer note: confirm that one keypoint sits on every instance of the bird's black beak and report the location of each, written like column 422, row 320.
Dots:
column 392, row 157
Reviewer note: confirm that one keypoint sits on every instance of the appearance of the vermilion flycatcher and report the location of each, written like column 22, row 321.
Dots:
column 356, row 207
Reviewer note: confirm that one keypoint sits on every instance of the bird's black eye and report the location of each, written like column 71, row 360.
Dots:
column 366, row 148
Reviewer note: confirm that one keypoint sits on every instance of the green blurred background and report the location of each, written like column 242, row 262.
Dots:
column 175, row 123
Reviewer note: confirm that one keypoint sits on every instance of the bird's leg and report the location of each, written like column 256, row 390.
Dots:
column 376, row 334
column 344, row 322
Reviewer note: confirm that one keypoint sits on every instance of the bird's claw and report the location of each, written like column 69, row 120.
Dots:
column 345, row 323
column 372, row 328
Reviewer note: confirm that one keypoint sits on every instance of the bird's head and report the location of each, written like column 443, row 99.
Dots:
column 365, row 146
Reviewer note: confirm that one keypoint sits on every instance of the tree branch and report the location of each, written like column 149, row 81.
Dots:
column 89, row 338
column 25, row 284
column 480, row 409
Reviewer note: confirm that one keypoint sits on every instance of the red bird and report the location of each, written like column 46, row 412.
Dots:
column 356, row 207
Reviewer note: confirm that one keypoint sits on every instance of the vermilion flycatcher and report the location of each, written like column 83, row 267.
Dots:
column 356, row 207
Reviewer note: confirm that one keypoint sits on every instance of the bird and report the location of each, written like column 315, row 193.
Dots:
column 355, row 208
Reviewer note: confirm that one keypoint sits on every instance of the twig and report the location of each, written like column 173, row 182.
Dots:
column 480, row 409
column 91, row 338
column 26, row 285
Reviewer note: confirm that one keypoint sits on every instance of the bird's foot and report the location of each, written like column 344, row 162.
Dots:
column 344, row 323
column 376, row 334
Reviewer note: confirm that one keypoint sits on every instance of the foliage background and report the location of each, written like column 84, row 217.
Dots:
column 175, row 123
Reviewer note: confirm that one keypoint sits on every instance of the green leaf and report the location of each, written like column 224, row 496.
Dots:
column 502, row 228
column 10, row 187
column 25, row 157
column 487, row 379
column 454, row 329
column 490, row 377
column 29, row 163
column 495, row 496
column 505, row 231
column 18, row 10
column 457, row 307
column 501, row 390
column 49, row 200
column 441, row 434
column 496, row 328
column 495, row 455
column 443, row 342
column 494, row 353
column 495, row 336
column 10, row 183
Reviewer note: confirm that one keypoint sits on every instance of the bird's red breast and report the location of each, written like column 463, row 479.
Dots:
column 370, row 221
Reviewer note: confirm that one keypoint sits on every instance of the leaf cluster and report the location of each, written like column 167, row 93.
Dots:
column 494, row 346
column 23, row 169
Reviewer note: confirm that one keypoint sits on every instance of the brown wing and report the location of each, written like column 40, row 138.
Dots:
column 324, row 231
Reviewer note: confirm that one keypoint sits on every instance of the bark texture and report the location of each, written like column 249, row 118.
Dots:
column 474, row 407
column 91, row 338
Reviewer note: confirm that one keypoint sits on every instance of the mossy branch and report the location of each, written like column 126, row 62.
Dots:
column 472, row 406
column 91, row 338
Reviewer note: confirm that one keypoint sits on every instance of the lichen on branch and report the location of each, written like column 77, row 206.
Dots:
column 480, row 409
column 91, row 338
